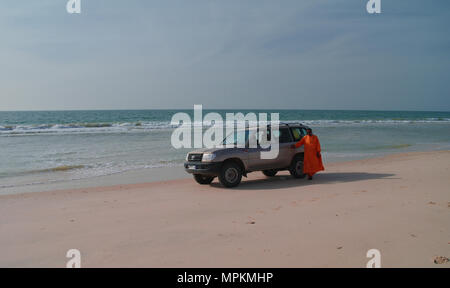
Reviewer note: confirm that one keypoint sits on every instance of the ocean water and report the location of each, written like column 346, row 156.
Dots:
column 39, row 147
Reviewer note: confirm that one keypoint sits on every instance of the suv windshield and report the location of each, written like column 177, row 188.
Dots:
column 238, row 138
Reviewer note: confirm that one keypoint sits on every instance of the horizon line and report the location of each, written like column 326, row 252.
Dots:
column 222, row 109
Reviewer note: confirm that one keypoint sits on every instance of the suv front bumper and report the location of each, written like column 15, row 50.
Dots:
column 203, row 168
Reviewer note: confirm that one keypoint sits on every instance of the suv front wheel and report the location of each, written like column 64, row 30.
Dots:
column 202, row 179
column 296, row 168
column 231, row 175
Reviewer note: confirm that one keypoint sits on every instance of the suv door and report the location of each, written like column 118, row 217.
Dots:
column 281, row 161
column 285, row 145
column 254, row 153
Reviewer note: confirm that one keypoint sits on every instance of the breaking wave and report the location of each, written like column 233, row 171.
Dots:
column 18, row 130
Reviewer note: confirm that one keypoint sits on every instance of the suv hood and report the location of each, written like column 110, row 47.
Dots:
column 207, row 150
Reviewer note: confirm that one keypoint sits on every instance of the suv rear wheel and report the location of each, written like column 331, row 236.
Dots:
column 296, row 168
column 270, row 173
column 202, row 179
column 231, row 175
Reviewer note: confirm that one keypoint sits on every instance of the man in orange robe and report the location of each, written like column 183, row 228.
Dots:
column 312, row 163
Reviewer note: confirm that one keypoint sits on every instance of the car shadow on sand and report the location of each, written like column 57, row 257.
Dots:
column 286, row 181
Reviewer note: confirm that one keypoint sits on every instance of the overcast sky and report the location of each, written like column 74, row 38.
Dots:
column 309, row 54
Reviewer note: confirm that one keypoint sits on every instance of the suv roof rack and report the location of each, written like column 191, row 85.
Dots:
column 289, row 124
column 294, row 124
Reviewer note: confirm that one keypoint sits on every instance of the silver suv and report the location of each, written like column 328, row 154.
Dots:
column 230, row 164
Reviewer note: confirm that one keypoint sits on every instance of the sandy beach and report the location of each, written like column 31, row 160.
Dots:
column 398, row 204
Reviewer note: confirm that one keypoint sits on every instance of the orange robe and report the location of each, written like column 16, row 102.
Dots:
column 311, row 163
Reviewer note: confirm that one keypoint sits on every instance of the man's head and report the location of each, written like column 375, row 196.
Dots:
column 309, row 131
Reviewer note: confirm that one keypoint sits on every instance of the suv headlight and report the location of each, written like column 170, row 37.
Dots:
column 207, row 157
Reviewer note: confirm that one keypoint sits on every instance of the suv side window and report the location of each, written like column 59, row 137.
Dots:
column 284, row 135
column 298, row 133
